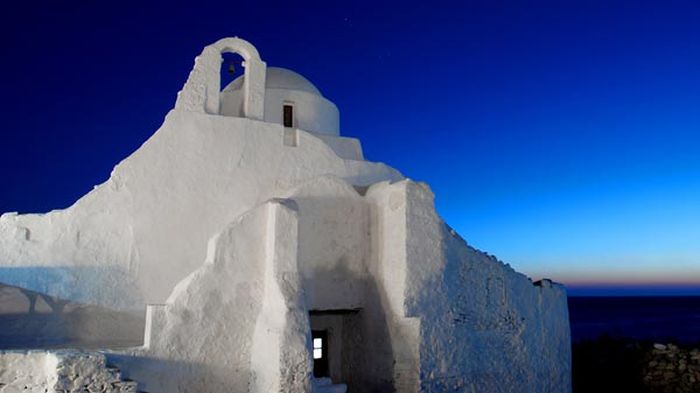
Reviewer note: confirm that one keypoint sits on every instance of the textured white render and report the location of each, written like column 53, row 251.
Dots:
column 34, row 369
column 483, row 326
column 59, row 372
column 243, row 236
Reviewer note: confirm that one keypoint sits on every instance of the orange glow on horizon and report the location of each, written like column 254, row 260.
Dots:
column 650, row 279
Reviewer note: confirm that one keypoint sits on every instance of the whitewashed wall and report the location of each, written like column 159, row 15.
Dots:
column 483, row 326
column 429, row 312
column 238, row 323
column 132, row 238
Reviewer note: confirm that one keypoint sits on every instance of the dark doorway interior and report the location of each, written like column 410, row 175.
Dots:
column 320, row 346
column 338, row 349
column 288, row 115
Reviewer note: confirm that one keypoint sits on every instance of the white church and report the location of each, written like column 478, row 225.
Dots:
column 248, row 247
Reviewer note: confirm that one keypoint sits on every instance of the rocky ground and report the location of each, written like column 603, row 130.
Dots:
column 669, row 368
column 622, row 365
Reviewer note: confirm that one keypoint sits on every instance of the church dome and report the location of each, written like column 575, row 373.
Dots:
column 289, row 99
column 280, row 78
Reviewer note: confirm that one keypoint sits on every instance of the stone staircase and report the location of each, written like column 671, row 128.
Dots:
column 64, row 371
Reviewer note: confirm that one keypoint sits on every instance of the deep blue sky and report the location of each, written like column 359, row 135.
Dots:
column 563, row 137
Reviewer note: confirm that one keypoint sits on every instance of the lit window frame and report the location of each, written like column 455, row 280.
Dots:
column 318, row 348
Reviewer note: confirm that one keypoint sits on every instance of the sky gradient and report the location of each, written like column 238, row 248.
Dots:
column 562, row 137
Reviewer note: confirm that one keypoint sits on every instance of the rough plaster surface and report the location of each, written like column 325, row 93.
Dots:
column 60, row 372
column 245, row 234
column 474, row 309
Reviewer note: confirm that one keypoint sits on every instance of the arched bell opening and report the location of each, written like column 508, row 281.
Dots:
column 232, row 75
column 232, row 67
column 236, row 57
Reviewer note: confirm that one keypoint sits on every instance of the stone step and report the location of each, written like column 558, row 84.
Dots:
column 62, row 371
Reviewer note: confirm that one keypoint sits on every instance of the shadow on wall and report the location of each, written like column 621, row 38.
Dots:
column 110, row 286
column 30, row 320
column 366, row 356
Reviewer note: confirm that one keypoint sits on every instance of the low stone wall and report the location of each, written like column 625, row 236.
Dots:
column 668, row 368
column 59, row 372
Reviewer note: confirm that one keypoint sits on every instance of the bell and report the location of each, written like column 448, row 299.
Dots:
column 231, row 69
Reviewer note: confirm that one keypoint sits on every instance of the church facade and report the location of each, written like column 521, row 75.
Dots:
column 269, row 255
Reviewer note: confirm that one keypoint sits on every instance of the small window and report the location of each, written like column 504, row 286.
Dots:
column 320, row 352
column 288, row 115
column 318, row 348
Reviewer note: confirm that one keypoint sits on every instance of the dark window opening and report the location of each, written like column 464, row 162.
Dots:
column 288, row 116
column 320, row 352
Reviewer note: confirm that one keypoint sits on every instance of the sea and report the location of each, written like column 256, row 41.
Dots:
column 662, row 319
